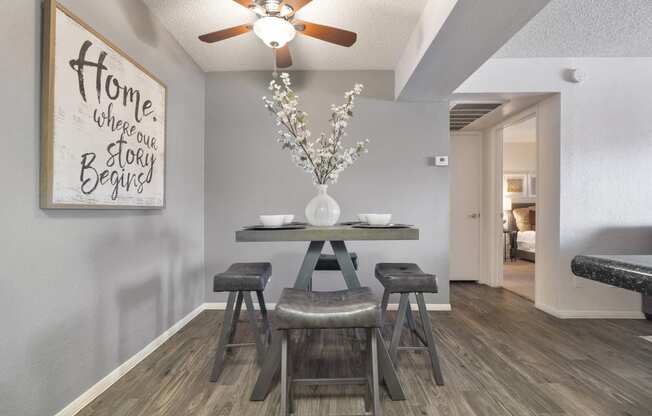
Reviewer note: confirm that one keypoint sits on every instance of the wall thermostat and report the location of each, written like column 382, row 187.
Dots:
column 441, row 160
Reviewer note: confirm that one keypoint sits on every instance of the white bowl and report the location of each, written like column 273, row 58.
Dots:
column 287, row 219
column 272, row 220
column 378, row 219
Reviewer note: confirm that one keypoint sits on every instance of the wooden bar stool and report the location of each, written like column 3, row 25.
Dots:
column 406, row 278
column 298, row 309
column 240, row 280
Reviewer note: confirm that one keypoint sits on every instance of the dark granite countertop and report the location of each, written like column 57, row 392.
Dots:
column 633, row 272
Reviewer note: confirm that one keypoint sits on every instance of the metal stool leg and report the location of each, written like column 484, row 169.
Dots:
column 432, row 349
column 411, row 324
column 368, row 397
column 383, row 307
column 267, row 328
column 290, row 376
column 404, row 303
column 236, row 317
column 375, row 388
column 260, row 349
column 284, row 374
column 224, row 337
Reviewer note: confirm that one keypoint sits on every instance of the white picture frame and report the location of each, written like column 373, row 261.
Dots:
column 532, row 185
column 515, row 185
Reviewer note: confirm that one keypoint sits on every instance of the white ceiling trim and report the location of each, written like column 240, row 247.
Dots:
column 471, row 34
column 431, row 21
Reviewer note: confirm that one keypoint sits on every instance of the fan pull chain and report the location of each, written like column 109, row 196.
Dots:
column 275, row 73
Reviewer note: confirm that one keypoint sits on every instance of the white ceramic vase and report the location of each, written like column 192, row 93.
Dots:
column 322, row 210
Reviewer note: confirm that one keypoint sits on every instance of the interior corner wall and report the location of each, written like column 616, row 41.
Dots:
column 547, row 264
column 603, row 151
column 490, row 222
column 248, row 174
column 81, row 291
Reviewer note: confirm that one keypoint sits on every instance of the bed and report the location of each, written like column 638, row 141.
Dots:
column 525, row 224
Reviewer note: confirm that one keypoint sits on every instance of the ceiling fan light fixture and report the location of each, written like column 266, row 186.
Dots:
column 275, row 32
column 286, row 11
column 258, row 9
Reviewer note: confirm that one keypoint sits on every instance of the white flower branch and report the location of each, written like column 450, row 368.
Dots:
column 325, row 157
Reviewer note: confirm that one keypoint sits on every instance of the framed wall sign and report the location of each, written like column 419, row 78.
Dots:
column 102, row 121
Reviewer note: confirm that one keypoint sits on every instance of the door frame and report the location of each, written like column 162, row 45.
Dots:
column 495, row 237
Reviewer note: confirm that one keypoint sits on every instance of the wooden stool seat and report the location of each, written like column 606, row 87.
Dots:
column 405, row 277
column 243, row 277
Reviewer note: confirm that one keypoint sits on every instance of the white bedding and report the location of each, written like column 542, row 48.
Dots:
column 525, row 240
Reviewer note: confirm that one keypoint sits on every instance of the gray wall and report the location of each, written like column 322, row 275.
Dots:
column 82, row 291
column 247, row 173
column 593, row 163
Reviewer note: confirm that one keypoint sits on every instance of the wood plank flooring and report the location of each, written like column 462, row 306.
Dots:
column 518, row 277
column 499, row 355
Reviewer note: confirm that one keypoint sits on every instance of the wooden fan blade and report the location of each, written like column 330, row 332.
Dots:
column 296, row 4
column 244, row 3
column 326, row 33
column 225, row 33
column 283, row 57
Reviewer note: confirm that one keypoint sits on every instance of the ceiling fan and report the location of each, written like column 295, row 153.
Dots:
column 276, row 26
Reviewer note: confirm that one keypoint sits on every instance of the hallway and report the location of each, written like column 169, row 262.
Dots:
column 518, row 277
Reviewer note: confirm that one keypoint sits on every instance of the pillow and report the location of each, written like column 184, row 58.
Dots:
column 533, row 218
column 522, row 216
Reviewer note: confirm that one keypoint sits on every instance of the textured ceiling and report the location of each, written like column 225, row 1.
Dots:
column 383, row 28
column 590, row 28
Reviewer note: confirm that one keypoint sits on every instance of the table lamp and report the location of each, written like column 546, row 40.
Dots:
column 507, row 213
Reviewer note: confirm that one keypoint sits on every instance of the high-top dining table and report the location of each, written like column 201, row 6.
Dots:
column 317, row 238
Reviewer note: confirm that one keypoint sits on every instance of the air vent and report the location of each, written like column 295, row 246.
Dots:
column 461, row 115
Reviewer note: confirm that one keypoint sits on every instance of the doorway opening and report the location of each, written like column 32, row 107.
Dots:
column 487, row 246
column 519, row 204
column 479, row 230
column 466, row 188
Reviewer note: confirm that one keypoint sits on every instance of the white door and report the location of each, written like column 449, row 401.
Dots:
column 465, row 200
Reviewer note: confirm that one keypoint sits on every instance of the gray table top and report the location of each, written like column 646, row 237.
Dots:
column 334, row 233
column 633, row 272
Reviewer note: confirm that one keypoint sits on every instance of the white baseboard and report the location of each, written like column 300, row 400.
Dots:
column 89, row 395
column 588, row 314
column 218, row 306
column 98, row 388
